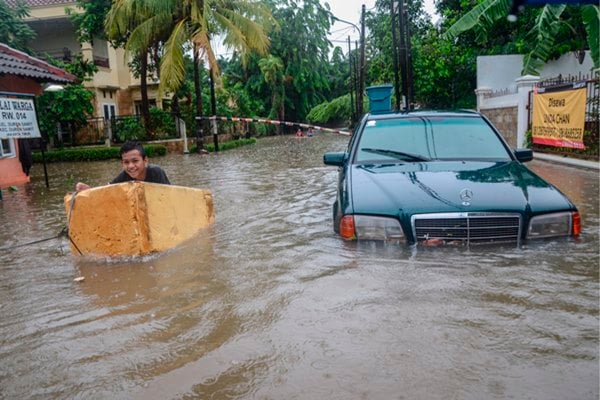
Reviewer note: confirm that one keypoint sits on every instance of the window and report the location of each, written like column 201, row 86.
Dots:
column 109, row 110
column 7, row 148
column 439, row 138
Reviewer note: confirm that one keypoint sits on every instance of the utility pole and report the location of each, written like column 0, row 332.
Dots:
column 198, row 93
column 405, row 55
column 409, row 65
column 402, row 51
column 351, row 82
column 361, row 92
column 357, row 79
column 395, row 56
column 213, row 103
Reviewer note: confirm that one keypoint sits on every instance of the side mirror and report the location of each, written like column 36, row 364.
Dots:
column 336, row 159
column 524, row 155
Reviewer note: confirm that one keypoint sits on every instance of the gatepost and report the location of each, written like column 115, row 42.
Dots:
column 525, row 85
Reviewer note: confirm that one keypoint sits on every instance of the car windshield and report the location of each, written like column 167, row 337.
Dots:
column 421, row 139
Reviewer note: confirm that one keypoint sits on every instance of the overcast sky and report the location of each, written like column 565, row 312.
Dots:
column 349, row 10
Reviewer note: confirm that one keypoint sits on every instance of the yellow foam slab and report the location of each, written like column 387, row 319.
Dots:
column 136, row 218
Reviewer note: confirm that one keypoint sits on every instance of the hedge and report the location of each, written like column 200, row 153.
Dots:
column 93, row 153
column 230, row 144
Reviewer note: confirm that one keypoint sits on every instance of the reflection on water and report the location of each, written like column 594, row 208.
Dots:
column 269, row 303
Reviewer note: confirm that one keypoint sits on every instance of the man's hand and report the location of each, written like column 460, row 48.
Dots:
column 79, row 186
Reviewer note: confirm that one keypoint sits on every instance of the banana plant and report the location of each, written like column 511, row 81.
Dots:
column 542, row 35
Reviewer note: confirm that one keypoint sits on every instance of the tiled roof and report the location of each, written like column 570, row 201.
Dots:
column 15, row 62
column 39, row 3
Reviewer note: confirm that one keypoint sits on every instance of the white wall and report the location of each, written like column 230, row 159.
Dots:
column 500, row 72
column 568, row 64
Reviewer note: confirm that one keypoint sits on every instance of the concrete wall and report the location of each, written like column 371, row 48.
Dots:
column 505, row 119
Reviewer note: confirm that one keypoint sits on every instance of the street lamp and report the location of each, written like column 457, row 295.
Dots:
column 361, row 72
column 53, row 88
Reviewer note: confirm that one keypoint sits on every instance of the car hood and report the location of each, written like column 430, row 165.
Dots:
column 428, row 187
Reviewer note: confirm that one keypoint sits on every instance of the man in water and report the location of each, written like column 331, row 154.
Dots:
column 135, row 167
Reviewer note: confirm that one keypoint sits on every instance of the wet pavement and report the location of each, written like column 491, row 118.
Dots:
column 270, row 304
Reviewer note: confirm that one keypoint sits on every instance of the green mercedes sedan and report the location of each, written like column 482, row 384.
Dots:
column 442, row 178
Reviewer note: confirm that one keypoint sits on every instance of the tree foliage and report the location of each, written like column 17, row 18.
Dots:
column 89, row 19
column 243, row 25
column 443, row 71
column 71, row 106
column 335, row 112
column 556, row 30
column 281, row 66
column 13, row 31
column 302, row 46
column 272, row 71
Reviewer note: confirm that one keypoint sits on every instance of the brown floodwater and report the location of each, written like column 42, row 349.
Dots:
column 270, row 304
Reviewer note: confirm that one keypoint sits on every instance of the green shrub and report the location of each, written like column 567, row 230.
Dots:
column 163, row 123
column 129, row 128
column 93, row 153
column 335, row 112
column 231, row 144
column 264, row 129
column 153, row 150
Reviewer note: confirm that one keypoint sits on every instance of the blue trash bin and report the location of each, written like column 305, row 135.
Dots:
column 380, row 98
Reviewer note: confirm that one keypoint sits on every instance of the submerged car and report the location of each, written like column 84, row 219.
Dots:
column 442, row 177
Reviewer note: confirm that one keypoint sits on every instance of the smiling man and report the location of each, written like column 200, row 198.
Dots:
column 135, row 167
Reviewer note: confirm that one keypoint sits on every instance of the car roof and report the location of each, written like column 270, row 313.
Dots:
column 423, row 113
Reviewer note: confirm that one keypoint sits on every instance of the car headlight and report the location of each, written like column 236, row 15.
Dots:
column 364, row 227
column 556, row 224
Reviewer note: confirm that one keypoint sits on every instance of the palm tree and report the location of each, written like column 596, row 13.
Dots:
column 243, row 26
column 272, row 69
column 542, row 35
column 134, row 23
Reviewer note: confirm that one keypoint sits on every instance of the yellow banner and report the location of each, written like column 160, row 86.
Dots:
column 559, row 118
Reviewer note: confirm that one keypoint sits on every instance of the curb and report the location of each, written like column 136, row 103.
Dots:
column 568, row 161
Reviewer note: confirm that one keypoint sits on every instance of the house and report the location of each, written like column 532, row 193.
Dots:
column 21, row 79
column 117, row 91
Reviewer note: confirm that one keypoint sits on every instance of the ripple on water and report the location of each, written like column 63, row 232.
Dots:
column 270, row 303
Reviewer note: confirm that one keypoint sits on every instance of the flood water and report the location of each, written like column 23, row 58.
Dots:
column 270, row 304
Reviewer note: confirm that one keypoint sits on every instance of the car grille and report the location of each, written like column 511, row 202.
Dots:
column 467, row 227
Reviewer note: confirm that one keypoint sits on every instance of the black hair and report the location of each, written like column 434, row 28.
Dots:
column 132, row 145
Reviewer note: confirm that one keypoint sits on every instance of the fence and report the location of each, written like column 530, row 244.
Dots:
column 118, row 129
column 131, row 127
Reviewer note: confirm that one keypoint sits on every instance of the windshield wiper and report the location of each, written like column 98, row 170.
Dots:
column 397, row 154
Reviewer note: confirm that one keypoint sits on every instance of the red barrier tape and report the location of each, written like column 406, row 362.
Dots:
column 274, row 122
